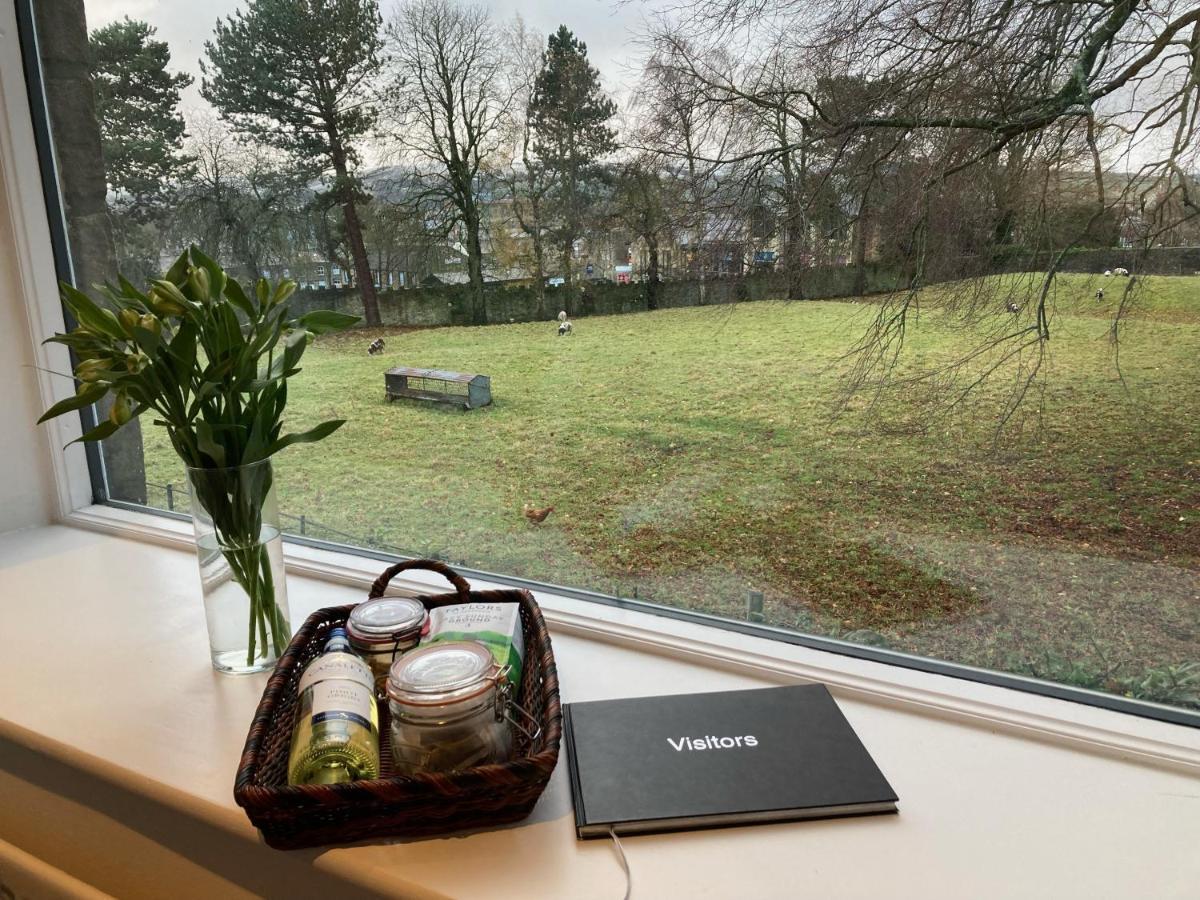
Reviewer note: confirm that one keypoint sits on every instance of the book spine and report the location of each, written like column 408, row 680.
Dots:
column 572, row 773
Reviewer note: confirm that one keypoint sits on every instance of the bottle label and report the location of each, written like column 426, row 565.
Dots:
column 337, row 666
column 342, row 699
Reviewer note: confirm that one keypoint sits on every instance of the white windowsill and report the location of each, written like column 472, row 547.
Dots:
column 1086, row 727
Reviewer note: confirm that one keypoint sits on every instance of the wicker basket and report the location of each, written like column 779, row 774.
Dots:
column 396, row 805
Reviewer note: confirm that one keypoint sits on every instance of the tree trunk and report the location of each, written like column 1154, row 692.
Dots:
column 567, row 251
column 475, row 270
column 539, row 273
column 362, row 267
column 71, row 102
column 793, row 251
column 534, row 230
column 860, row 244
column 793, row 245
column 697, row 213
column 571, row 218
column 354, row 236
column 653, row 285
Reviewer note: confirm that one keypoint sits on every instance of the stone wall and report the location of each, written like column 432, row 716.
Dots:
column 1155, row 261
column 447, row 304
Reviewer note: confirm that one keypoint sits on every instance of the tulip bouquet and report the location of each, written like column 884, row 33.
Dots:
column 211, row 361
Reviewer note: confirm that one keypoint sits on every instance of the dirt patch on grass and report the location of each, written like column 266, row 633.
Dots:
column 1037, row 601
column 799, row 565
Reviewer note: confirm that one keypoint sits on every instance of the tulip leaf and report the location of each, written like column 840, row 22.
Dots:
column 311, row 436
column 323, row 321
column 131, row 292
column 147, row 340
column 206, row 443
column 87, row 395
column 238, row 298
column 177, row 274
column 89, row 315
column 105, row 429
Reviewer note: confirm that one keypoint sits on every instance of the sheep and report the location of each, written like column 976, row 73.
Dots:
column 376, row 347
column 1100, row 293
column 564, row 327
column 1121, row 271
column 1108, row 273
column 562, row 316
column 1013, row 308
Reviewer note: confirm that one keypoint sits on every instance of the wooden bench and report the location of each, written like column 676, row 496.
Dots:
column 438, row 386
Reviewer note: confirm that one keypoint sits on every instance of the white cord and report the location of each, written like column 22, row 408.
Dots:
column 624, row 862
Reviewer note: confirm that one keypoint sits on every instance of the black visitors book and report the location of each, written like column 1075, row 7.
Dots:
column 701, row 760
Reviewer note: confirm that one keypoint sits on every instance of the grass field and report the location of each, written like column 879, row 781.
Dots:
column 691, row 455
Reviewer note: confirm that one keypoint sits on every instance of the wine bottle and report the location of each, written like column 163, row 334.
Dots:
column 336, row 735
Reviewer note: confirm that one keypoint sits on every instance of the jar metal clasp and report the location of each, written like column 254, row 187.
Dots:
column 397, row 636
column 506, row 702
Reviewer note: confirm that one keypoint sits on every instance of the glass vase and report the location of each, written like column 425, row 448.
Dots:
column 240, row 551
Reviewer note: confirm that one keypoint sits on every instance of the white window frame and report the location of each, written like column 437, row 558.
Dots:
column 989, row 706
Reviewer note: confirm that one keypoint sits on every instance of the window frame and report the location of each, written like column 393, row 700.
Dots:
column 38, row 224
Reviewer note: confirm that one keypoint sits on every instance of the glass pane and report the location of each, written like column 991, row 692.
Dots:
column 903, row 355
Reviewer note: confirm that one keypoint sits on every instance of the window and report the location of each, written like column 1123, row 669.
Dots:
column 871, row 378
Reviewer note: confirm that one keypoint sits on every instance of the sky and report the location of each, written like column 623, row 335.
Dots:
column 606, row 26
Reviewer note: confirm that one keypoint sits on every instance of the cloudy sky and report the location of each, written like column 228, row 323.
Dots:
column 606, row 26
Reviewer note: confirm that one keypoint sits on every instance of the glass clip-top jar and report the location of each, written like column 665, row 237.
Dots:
column 451, row 708
column 382, row 629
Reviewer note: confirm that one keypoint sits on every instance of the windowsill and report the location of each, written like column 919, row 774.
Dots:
column 118, row 746
column 1032, row 715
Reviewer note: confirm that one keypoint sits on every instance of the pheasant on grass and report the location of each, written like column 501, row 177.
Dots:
column 535, row 515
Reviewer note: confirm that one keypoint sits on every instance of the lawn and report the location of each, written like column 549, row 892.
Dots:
column 692, row 455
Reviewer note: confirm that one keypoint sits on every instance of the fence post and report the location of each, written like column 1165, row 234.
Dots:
column 754, row 606
column 171, row 497
column 302, row 523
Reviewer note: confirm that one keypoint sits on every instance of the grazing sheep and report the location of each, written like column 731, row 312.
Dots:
column 1108, row 273
column 1100, row 293
column 1013, row 308
column 564, row 327
column 562, row 316
column 1121, row 271
column 376, row 347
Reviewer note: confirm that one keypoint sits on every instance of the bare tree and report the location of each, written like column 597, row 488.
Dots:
column 645, row 204
column 451, row 100
column 691, row 138
column 241, row 200
column 527, row 180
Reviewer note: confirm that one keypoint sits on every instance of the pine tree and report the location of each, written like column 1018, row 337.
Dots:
column 569, row 116
column 137, row 106
column 298, row 75
column 141, row 137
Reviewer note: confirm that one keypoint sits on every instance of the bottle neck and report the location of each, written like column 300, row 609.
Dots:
column 338, row 642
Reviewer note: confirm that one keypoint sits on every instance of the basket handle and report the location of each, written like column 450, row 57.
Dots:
column 460, row 583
